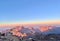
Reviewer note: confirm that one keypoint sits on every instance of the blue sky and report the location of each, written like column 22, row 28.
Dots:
column 29, row 10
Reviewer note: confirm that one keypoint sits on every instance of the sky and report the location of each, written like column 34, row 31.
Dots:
column 16, row 11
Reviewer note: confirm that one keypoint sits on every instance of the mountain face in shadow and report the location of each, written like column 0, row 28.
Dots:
column 54, row 30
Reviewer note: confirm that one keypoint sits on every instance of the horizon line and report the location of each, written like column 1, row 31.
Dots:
column 31, row 23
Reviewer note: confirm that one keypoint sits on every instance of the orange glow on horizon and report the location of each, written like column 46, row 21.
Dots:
column 31, row 23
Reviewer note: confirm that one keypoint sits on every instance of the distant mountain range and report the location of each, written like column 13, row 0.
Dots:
column 54, row 30
column 32, row 30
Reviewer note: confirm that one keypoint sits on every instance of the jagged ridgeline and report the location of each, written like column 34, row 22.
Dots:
column 31, row 33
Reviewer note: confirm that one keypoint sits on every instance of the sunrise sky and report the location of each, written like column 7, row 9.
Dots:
column 29, row 11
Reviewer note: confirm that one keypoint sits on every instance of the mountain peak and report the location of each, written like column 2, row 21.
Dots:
column 44, row 28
